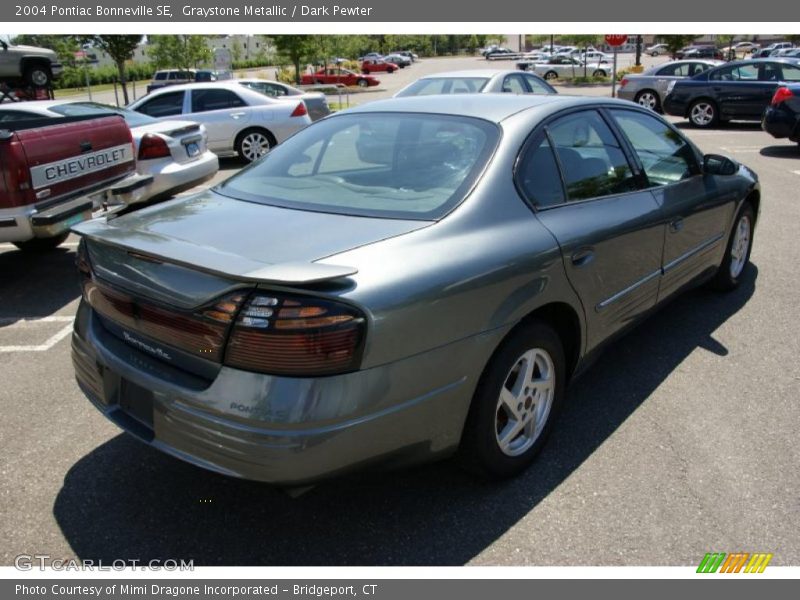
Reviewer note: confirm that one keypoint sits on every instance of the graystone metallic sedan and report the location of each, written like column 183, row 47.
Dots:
column 399, row 282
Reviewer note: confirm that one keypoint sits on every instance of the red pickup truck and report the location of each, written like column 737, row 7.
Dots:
column 54, row 172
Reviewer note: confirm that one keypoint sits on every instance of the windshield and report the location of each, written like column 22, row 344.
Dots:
column 79, row 109
column 394, row 165
column 444, row 85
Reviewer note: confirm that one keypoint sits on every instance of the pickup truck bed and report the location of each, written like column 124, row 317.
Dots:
column 53, row 172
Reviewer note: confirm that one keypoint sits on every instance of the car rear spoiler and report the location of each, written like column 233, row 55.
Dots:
column 149, row 246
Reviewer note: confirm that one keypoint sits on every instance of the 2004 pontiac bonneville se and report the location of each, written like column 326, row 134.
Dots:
column 400, row 281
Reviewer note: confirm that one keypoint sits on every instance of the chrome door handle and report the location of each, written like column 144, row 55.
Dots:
column 236, row 115
column 676, row 225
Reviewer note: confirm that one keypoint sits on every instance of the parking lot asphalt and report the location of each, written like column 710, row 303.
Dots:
column 680, row 440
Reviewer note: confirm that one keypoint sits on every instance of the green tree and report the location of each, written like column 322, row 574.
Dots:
column 296, row 49
column 236, row 50
column 676, row 42
column 180, row 51
column 120, row 48
column 582, row 42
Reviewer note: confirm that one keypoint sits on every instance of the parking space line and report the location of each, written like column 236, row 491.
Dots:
column 28, row 321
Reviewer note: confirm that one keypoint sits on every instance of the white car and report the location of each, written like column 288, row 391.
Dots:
column 657, row 50
column 566, row 67
column 171, row 156
column 594, row 56
column 238, row 120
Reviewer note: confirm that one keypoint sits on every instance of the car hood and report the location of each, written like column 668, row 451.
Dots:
column 243, row 240
column 32, row 50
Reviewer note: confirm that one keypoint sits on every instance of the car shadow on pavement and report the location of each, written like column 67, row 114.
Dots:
column 37, row 285
column 127, row 501
column 790, row 151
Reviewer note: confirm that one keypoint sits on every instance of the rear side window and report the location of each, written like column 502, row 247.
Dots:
column 214, row 99
column 160, row 76
column 537, row 174
column 591, row 159
column 445, row 85
column 17, row 115
column 790, row 73
column 538, row 86
column 735, row 73
column 163, row 105
column 514, row 84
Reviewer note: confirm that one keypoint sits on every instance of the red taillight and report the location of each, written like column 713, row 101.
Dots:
column 290, row 335
column 623, row 83
column 781, row 94
column 300, row 110
column 152, row 146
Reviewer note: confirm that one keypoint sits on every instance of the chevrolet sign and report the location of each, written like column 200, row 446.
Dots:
column 70, row 168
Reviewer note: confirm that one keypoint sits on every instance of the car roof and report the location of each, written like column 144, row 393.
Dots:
column 473, row 73
column 490, row 107
column 768, row 59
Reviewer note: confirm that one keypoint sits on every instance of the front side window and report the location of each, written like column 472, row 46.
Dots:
column 665, row 156
column 591, row 160
column 394, row 165
column 163, row 105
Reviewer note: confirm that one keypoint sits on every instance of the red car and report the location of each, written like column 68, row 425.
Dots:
column 337, row 75
column 378, row 64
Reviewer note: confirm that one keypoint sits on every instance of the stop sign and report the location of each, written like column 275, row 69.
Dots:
column 616, row 40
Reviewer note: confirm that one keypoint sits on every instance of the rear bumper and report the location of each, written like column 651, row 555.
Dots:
column 164, row 178
column 781, row 123
column 24, row 223
column 284, row 430
column 626, row 95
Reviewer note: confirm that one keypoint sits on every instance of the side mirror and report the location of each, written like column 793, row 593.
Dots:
column 715, row 164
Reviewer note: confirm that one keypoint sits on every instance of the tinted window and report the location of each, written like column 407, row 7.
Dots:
column 682, row 70
column 214, row 99
column 735, row 73
column 160, row 75
column 445, row 85
column 537, row 174
column 664, row 154
column 163, row 105
column 414, row 166
column 770, row 72
column 269, row 89
column 514, row 84
column 17, row 115
column 591, row 159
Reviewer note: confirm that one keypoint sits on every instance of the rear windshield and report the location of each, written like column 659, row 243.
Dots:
column 393, row 165
column 79, row 109
column 445, row 85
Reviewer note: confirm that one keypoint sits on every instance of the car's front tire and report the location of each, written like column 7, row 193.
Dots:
column 599, row 73
column 516, row 402
column 38, row 75
column 362, row 83
column 648, row 99
column 737, row 253
column 551, row 75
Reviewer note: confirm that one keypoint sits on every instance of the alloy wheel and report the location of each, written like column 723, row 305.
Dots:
column 702, row 114
column 525, row 400
column 740, row 246
column 648, row 100
column 254, row 145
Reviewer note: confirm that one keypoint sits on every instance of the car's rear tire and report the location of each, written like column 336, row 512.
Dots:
column 510, row 418
column 737, row 253
column 390, row 71
column 648, row 99
column 703, row 113
column 38, row 75
column 654, row 54
column 599, row 73
column 252, row 144
column 362, row 83
column 38, row 245
column 551, row 75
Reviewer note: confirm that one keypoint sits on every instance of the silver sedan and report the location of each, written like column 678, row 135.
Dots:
column 485, row 81
column 649, row 88
column 238, row 120
column 316, row 102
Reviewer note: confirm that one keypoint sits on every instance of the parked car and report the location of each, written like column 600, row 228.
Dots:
column 650, row 87
column 403, row 280
column 657, row 50
column 532, row 58
column 478, row 81
column 768, row 50
column 594, row 56
column 338, row 76
column 171, row 156
column 316, row 102
column 165, row 77
column 793, row 53
column 370, row 56
column 499, row 53
column 238, row 120
column 740, row 48
column 55, row 172
column 407, row 53
column 35, row 66
column 737, row 90
column 782, row 117
column 400, row 60
column 566, row 67
column 375, row 65
column 702, row 52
